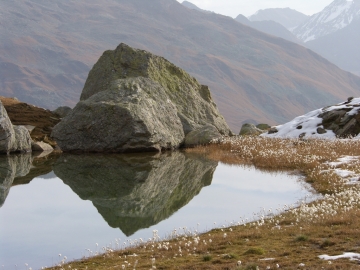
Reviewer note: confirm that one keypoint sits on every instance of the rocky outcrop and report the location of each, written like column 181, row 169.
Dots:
column 11, row 167
column 136, row 191
column 136, row 101
column 250, row 129
column 12, row 138
column 338, row 121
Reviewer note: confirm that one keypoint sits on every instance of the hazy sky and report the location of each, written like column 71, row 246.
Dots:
column 248, row 7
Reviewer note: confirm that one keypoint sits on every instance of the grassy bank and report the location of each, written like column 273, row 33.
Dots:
column 287, row 238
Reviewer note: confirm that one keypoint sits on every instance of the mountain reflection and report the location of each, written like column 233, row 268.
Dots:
column 135, row 191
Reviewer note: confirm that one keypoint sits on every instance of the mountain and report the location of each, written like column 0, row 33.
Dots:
column 338, row 15
column 195, row 7
column 269, row 27
column 287, row 17
column 48, row 48
column 341, row 47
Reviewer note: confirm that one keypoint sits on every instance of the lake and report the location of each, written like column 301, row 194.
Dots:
column 69, row 204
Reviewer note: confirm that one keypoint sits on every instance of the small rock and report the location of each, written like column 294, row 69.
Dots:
column 263, row 126
column 202, row 136
column 250, row 129
column 273, row 130
column 62, row 111
column 41, row 147
column 321, row 130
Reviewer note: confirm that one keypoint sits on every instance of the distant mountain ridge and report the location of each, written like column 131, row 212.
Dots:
column 340, row 47
column 336, row 16
column 269, row 27
column 195, row 7
column 287, row 17
column 48, row 48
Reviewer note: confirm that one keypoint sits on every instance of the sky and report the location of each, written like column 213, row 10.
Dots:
column 247, row 8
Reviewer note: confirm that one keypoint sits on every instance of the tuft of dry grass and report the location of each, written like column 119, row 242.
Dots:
column 290, row 239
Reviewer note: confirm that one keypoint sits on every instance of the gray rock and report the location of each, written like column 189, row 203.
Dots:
column 341, row 123
column 62, row 111
column 136, row 101
column 22, row 141
column 250, row 129
column 273, row 130
column 11, row 167
column 202, row 136
column 12, row 138
column 135, row 191
column 30, row 128
column 41, row 147
column 263, row 126
column 7, row 133
column 134, row 115
column 321, row 130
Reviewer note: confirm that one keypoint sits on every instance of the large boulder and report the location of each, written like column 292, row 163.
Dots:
column 12, row 138
column 136, row 101
column 131, row 116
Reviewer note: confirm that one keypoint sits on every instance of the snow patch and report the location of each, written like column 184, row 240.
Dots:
column 347, row 255
column 306, row 126
column 310, row 38
column 338, row 15
column 338, row 10
column 343, row 173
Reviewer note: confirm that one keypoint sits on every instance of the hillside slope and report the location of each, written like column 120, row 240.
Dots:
column 341, row 47
column 49, row 47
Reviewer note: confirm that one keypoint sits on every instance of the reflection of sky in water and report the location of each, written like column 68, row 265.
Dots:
column 44, row 218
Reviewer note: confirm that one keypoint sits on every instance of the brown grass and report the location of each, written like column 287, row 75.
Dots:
column 287, row 239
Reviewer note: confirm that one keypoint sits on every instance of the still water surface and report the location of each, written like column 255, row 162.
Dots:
column 89, row 199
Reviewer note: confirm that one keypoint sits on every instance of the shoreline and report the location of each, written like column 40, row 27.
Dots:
column 292, row 239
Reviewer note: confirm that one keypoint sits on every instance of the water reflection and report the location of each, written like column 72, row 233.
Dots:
column 11, row 167
column 135, row 191
column 21, row 169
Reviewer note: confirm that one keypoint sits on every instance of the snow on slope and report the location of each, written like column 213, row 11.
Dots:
column 334, row 17
column 306, row 126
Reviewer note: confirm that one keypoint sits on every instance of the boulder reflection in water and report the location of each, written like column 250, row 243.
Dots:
column 135, row 191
